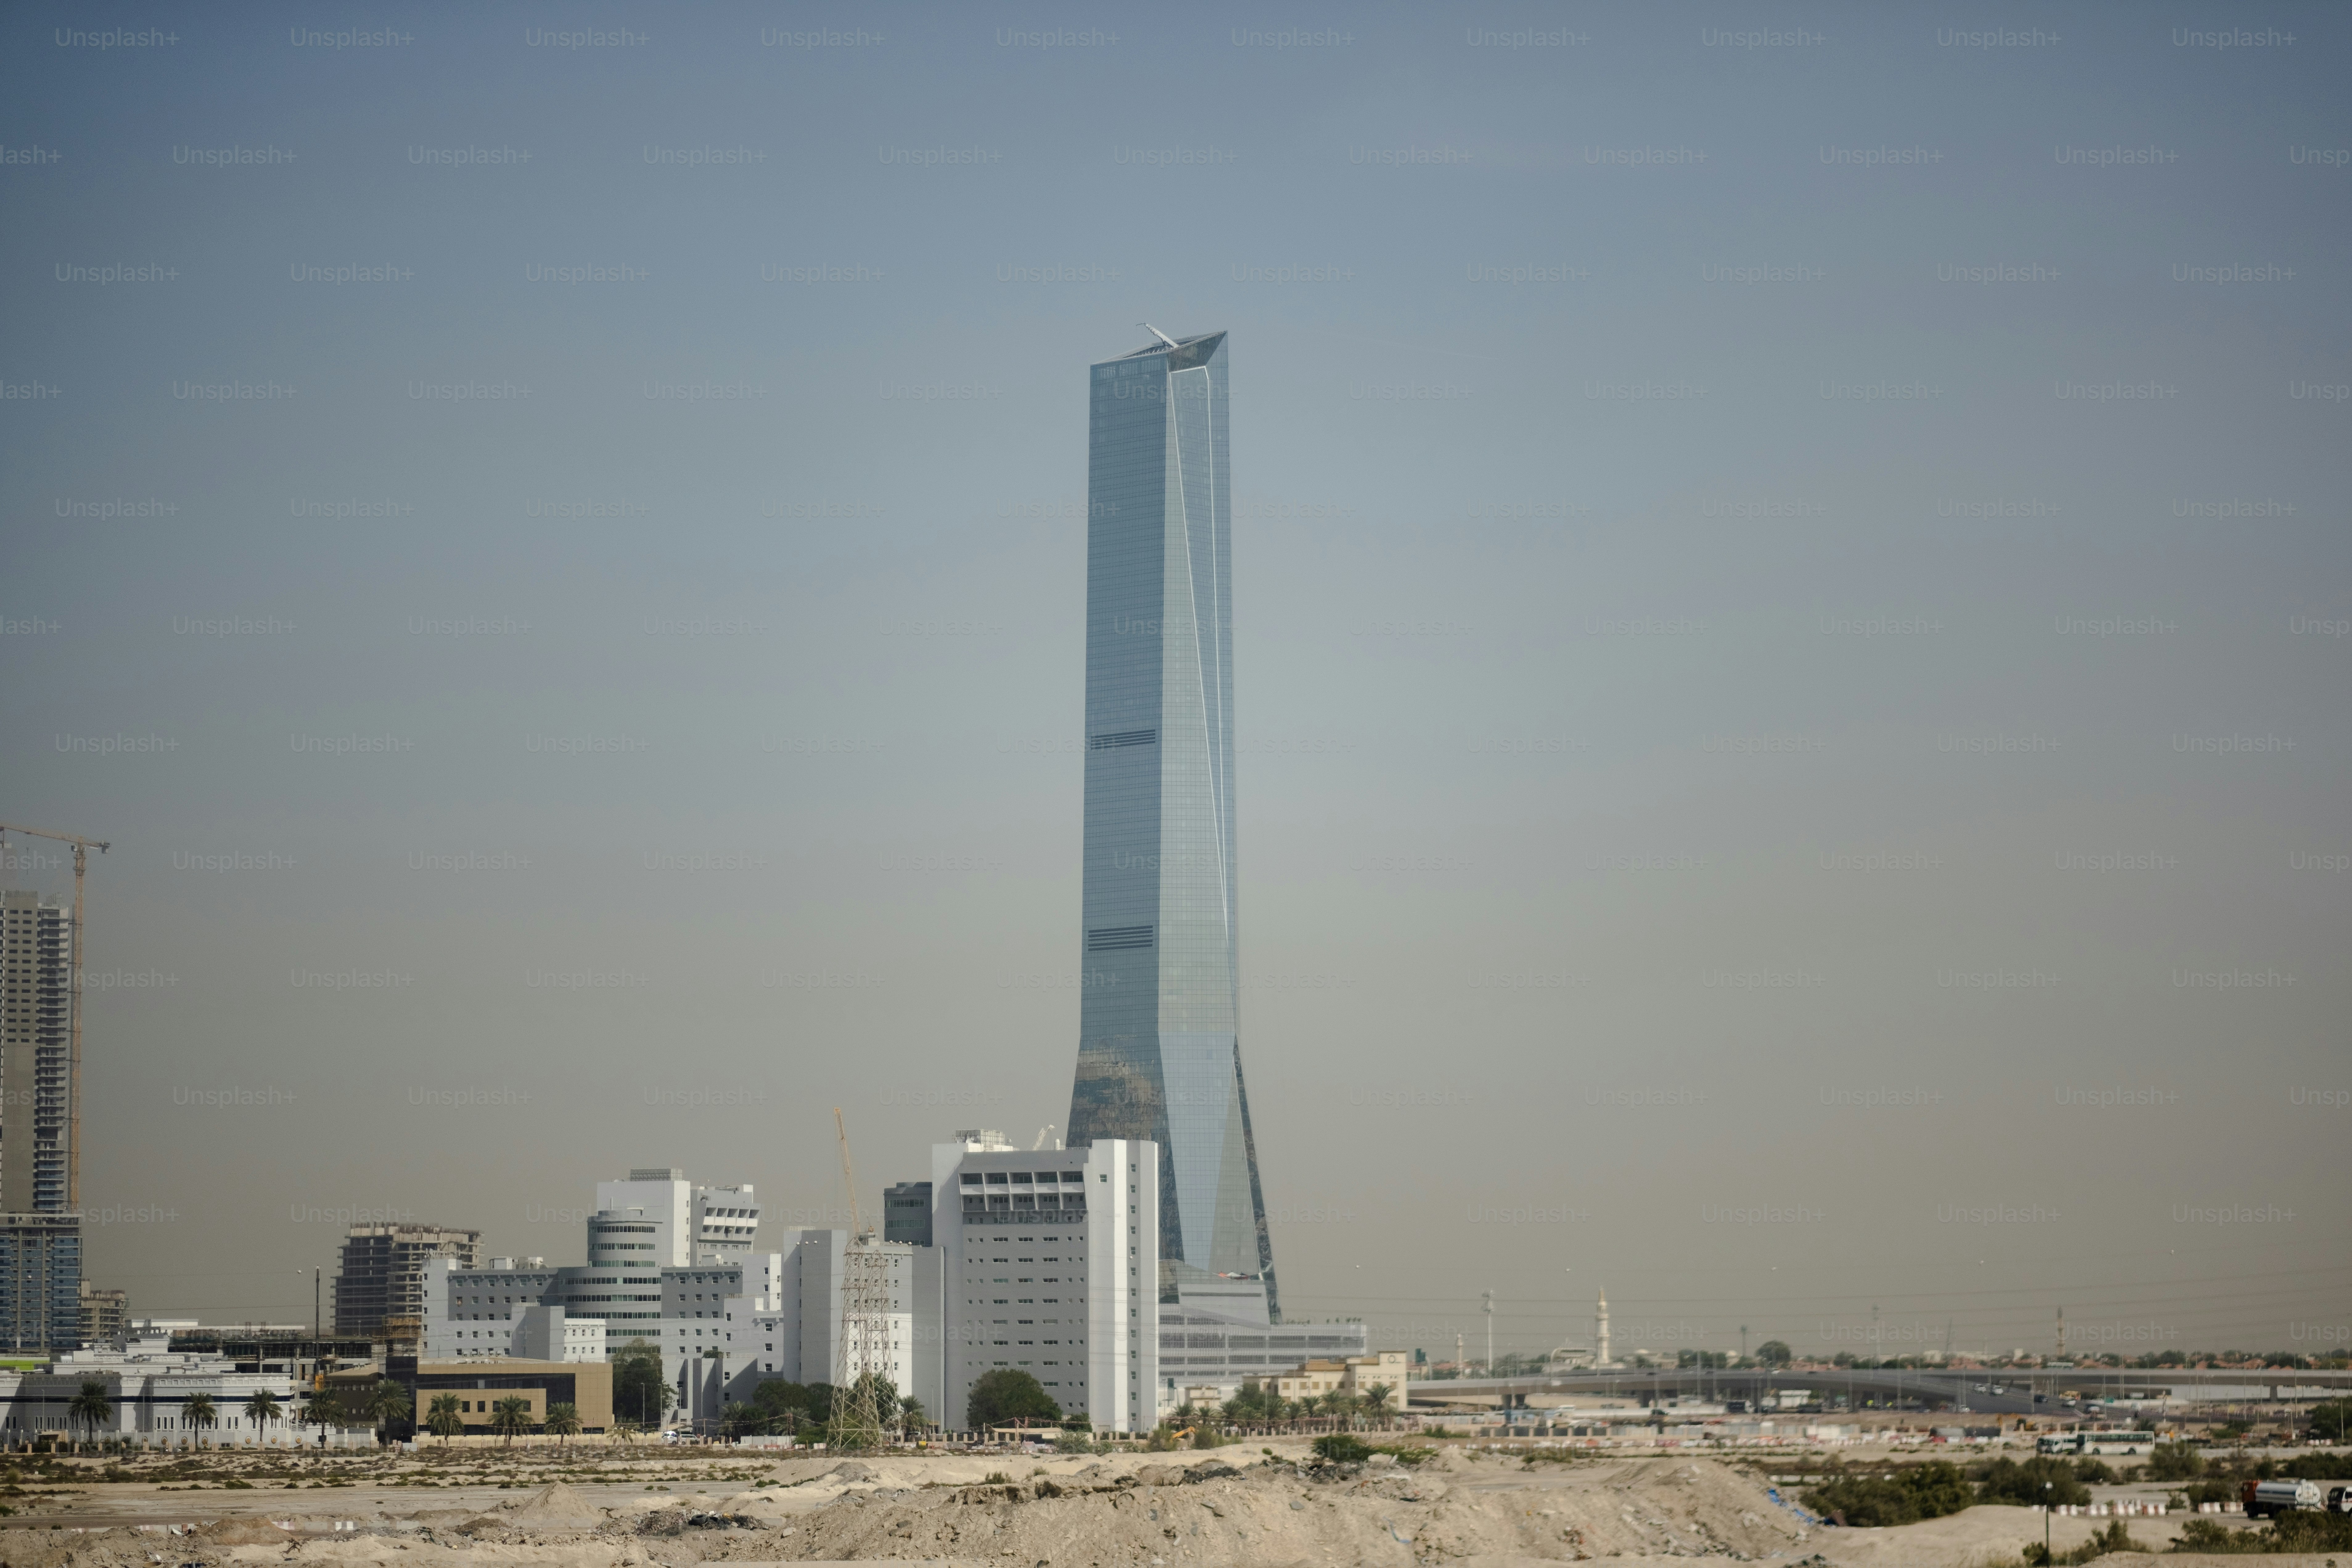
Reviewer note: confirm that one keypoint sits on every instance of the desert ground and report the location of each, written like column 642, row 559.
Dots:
column 1246, row 1504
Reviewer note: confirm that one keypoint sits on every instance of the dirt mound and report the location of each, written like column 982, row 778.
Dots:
column 243, row 1532
column 850, row 1472
column 1279, row 1512
column 557, row 1507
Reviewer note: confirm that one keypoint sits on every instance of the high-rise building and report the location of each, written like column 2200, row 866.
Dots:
column 40, row 1237
column 1045, row 1267
column 37, row 1000
column 1159, row 1052
column 105, row 1315
column 380, row 1284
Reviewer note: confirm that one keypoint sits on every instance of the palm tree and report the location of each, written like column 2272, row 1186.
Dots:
column 261, row 1409
column 389, row 1403
column 316, row 1410
column 511, row 1415
column 200, row 1415
column 911, row 1418
column 564, row 1420
column 625, row 1429
column 441, row 1419
column 89, row 1408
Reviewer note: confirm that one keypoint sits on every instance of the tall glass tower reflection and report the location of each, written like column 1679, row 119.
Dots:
column 1158, row 1054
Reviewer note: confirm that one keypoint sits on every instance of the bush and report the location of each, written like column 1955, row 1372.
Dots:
column 1342, row 1448
column 2094, row 1472
column 1905, row 1497
column 2306, row 1529
column 2006, row 1480
column 1007, row 1394
column 2317, row 1468
column 2174, row 1462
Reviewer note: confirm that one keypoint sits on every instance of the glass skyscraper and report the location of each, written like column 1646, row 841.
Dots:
column 1159, row 1052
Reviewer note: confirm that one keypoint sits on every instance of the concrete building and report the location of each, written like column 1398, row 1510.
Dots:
column 478, row 1386
column 36, row 1006
column 40, row 1237
column 380, row 1284
column 794, row 1333
column 40, row 1281
column 1198, row 1348
column 1049, row 1266
column 659, row 1217
column 105, row 1315
column 149, row 1386
column 679, row 1311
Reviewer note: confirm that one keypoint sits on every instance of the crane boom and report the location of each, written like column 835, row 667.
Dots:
column 81, row 848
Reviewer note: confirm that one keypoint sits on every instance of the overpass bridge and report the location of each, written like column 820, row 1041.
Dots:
column 1976, row 1390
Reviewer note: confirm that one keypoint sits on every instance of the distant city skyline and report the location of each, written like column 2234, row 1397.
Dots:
column 1791, row 594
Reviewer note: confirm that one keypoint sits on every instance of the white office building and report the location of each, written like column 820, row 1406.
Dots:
column 147, row 1388
column 794, row 1333
column 1049, row 1263
column 660, row 1217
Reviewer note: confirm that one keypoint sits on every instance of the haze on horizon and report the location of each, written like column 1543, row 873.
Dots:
column 1790, row 631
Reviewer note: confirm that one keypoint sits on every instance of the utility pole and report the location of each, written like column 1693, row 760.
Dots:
column 73, row 1007
column 865, row 1323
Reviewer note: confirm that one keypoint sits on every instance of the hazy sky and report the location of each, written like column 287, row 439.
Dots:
column 1792, row 627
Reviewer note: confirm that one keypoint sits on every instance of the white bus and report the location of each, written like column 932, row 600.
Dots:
column 2098, row 1443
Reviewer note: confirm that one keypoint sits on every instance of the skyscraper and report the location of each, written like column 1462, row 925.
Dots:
column 40, row 1236
column 37, row 1003
column 1159, row 1052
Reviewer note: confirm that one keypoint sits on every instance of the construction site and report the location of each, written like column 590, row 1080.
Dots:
column 1245, row 1504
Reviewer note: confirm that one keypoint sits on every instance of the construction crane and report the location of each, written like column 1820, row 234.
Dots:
column 865, row 1323
column 81, row 848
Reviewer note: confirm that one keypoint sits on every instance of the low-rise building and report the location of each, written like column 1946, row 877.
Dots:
column 153, row 1394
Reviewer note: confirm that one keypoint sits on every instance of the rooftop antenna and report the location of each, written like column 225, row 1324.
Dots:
column 1156, row 332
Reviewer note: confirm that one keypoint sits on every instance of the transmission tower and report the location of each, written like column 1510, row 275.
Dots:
column 863, row 1360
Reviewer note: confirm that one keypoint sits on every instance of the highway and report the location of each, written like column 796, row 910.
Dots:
column 1976, row 1390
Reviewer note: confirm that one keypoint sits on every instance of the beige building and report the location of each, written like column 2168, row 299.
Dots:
column 1355, row 1375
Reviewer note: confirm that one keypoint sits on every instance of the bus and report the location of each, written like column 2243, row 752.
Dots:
column 2097, row 1443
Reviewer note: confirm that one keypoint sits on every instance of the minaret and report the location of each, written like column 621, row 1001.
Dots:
column 1600, row 1330
column 2062, row 1333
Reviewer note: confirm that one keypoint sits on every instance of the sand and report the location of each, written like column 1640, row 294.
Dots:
column 1239, row 1506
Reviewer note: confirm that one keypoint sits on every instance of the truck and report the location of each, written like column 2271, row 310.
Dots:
column 2264, row 1499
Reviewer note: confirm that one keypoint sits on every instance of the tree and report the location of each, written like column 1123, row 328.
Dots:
column 1775, row 1352
column 564, row 1420
column 390, row 1407
column 2006, row 1480
column 912, row 1417
column 261, row 1409
column 640, row 1385
column 1007, row 1394
column 89, row 1408
column 442, row 1418
column 511, row 1415
column 1915, row 1492
column 318, row 1410
column 201, row 1415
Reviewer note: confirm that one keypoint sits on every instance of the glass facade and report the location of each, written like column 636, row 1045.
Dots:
column 1158, row 1056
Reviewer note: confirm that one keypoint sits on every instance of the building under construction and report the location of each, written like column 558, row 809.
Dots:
column 40, row 1237
column 380, row 1285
